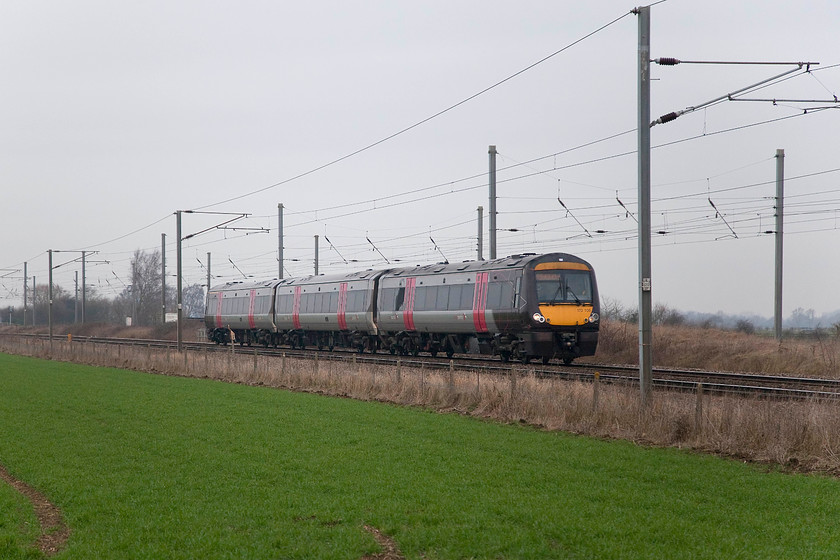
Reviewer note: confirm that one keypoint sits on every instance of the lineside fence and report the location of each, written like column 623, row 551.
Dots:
column 804, row 434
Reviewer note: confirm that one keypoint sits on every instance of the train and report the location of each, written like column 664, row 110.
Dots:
column 522, row 307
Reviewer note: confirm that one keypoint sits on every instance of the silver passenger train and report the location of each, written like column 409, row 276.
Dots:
column 521, row 307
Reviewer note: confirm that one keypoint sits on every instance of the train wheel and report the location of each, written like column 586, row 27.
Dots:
column 567, row 361
column 504, row 355
column 545, row 360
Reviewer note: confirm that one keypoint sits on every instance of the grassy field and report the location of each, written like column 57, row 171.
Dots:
column 147, row 466
column 18, row 526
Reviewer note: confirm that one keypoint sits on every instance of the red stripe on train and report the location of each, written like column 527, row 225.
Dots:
column 480, row 302
column 253, row 298
column 296, row 308
column 408, row 313
column 342, row 306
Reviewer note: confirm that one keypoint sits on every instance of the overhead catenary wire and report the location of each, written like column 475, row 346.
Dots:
column 676, row 114
column 591, row 161
column 526, row 175
column 513, row 166
column 421, row 122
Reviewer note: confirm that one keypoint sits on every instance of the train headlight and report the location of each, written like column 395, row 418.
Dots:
column 539, row 318
column 593, row 318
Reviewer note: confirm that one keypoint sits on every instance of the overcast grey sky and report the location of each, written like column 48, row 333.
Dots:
column 113, row 115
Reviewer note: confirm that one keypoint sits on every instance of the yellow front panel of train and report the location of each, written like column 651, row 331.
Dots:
column 566, row 315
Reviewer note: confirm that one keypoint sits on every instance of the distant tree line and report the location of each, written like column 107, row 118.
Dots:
column 141, row 299
column 801, row 322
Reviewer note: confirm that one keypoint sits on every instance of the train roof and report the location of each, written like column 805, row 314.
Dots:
column 244, row 285
column 512, row 261
column 330, row 278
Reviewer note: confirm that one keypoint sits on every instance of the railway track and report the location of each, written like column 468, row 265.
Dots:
column 686, row 380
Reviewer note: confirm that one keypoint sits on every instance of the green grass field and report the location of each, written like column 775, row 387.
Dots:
column 147, row 466
column 18, row 525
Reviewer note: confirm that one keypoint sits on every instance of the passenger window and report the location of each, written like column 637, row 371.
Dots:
column 467, row 296
column 387, row 301
column 431, row 297
column 442, row 301
column 400, row 301
column 494, row 295
column 420, row 298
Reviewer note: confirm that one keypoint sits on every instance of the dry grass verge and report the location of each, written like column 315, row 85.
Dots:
column 714, row 349
column 802, row 436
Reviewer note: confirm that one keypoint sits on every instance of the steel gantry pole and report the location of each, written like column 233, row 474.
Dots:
column 163, row 277
column 178, row 309
column 280, row 241
column 84, row 285
column 50, row 298
column 645, row 296
column 492, row 152
column 780, row 226
column 480, row 233
column 316, row 255
column 24, row 293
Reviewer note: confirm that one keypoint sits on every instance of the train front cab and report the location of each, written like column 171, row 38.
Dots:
column 563, row 306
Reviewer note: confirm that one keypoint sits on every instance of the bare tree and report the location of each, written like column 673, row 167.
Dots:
column 144, row 294
column 193, row 301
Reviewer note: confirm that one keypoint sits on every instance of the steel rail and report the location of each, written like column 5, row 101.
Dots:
column 671, row 379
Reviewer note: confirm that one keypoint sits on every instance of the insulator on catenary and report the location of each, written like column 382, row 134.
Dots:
column 667, row 118
column 667, row 61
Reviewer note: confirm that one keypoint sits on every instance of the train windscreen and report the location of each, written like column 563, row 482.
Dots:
column 564, row 286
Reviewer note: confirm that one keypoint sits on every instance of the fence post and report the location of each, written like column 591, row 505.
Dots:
column 283, row 365
column 698, row 410
column 255, row 363
column 399, row 371
column 512, row 384
column 451, row 377
column 596, row 382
